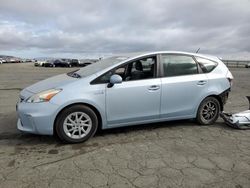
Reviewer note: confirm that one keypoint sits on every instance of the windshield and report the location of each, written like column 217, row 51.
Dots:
column 100, row 65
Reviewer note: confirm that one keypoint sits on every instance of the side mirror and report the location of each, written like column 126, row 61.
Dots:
column 114, row 79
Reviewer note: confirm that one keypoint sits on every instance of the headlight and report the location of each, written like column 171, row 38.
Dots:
column 43, row 96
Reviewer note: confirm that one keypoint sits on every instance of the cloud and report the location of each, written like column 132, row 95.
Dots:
column 82, row 27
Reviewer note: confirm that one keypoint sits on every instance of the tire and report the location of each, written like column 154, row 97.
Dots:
column 76, row 132
column 208, row 111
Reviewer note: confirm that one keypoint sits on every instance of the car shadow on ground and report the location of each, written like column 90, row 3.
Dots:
column 152, row 126
column 15, row 137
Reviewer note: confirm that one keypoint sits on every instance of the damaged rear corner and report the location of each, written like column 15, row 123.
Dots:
column 224, row 97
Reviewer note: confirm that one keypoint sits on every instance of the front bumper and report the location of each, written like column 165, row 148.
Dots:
column 37, row 118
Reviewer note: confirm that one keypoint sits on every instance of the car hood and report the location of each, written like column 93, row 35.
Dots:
column 50, row 83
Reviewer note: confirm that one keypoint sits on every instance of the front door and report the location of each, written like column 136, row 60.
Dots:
column 137, row 98
column 133, row 101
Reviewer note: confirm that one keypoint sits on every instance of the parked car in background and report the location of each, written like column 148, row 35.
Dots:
column 39, row 63
column 3, row 61
column 13, row 60
column 65, row 63
column 49, row 63
column 29, row 61
column 10, row 59
column 75, row 62
column 126, row 90
column 247, row 65
column 62, row 63
column 86, row 62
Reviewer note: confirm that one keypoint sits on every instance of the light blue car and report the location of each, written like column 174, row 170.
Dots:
column 126, row 90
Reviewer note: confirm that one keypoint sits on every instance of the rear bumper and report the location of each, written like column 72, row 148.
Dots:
column 237, row 121
column 227, row 118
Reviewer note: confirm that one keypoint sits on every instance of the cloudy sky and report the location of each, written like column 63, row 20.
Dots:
column 79, row 28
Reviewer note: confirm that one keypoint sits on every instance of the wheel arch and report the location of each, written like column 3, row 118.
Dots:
column 98, row 114
column 217, row 96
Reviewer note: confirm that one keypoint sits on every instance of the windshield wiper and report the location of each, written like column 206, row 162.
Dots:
column 74, row 74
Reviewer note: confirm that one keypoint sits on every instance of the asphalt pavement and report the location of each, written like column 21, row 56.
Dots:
column 168, row 154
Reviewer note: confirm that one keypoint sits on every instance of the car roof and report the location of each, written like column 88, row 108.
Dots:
column 118, row 59
column 141, row 54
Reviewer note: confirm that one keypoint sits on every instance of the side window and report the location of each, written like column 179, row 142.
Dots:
column 106, row 77
column 136, row 70
column 206, row 65
column 178, row 65
column 141, row 69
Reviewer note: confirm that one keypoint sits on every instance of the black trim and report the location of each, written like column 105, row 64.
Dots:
column 224, row 96
column 198, row 65
column 201, row 63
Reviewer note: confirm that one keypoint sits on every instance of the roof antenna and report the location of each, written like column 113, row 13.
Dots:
column 198, row 50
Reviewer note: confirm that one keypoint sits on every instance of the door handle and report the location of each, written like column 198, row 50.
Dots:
column 202, row 82
column 154, row 87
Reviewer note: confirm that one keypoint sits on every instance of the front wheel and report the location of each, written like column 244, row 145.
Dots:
column 76, row 124
column 208, row 111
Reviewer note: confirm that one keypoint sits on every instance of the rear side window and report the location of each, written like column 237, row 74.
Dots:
column 206, row 65
column 178, row 65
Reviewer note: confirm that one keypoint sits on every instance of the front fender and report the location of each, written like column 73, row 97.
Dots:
column 100, row 109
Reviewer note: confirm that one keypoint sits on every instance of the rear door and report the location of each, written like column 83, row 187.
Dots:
column 183, row 86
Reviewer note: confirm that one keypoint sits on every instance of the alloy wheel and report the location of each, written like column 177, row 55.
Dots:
column 77, row 125
column 209, row 110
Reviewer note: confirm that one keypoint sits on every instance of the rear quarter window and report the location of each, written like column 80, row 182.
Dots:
column 206, row 64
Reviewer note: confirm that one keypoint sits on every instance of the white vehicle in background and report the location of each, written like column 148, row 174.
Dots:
column 2, row 61
column 247, row 65
column 39, row 63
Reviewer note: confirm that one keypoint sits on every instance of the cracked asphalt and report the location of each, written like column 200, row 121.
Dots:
column 169, row 154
